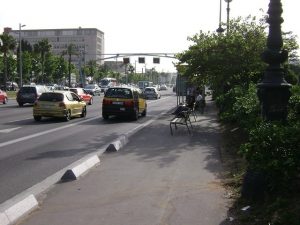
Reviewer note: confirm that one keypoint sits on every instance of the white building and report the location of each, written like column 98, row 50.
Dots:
column 88, row 41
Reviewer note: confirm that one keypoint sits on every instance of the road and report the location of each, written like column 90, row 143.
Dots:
column 31, row 151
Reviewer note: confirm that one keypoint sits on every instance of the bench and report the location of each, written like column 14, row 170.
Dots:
column 182, row 118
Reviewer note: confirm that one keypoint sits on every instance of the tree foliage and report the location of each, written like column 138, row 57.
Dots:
column 8, row 45
column 226, row 60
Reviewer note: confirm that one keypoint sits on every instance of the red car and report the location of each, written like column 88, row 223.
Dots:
column 3, row 97
column 83, row 94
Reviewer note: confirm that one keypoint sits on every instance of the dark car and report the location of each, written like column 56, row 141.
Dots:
column 29, row 94
column 124, row 101
column 92, row 89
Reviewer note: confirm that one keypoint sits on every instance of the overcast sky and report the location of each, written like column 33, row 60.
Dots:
column 143, row 26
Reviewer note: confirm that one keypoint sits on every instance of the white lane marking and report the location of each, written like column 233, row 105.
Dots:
column 9, row 130
column 13, row 121
column 44, row 132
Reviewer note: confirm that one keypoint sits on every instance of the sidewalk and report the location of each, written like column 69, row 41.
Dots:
column 156, row 179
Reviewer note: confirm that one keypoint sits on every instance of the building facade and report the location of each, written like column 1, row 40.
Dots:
column 89, row 42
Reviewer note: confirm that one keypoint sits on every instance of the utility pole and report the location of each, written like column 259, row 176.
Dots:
column 20, row 55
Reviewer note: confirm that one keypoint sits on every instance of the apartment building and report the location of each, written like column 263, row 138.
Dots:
column 88, row 41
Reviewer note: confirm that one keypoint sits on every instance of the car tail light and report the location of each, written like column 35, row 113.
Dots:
column 107, row 102
column 129, row 103
column 61, row 104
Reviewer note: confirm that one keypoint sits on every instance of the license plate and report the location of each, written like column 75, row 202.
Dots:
column 117, row 103
column 122, row 109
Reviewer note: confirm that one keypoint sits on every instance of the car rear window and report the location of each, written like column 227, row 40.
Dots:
column 52, row 97
column 118, row 93
column 149, row 90
column 74, row 90
column 27, row 90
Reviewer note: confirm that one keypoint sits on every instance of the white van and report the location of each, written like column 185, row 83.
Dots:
column 107, row 82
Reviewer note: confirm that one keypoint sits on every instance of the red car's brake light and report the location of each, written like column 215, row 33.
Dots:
column 107, row 102
column 61, row 104
column 129, row 103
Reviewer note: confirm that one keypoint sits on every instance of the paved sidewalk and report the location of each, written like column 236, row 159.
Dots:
column 156, row 179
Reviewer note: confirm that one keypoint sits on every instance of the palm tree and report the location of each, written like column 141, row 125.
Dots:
column 42, row 47
column 71, row 50
column 8, row 44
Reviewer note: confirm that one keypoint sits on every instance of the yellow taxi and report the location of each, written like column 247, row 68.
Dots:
column 61, row 104
column 124, row 101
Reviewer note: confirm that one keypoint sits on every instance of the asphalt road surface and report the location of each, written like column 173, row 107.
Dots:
column 31, row 151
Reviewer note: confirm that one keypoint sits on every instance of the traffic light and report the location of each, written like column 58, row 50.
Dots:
column 141, row 59
column 126, row 60
column 156, row 60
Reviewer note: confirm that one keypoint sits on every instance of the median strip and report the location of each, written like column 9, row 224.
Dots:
column 18, row 210
column 82, row 168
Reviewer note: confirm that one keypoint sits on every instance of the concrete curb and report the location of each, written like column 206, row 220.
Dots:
column 117, row 144
column 25, row 202
column 82, row 168
column 18, row 210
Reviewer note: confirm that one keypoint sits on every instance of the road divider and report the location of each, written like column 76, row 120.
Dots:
column 16, row 211
column 82, row 168
column 117, row 144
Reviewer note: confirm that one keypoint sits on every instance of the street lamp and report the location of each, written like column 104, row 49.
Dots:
column 274, row 91
column 220, row 29
column 228, row 10
column 20, row 53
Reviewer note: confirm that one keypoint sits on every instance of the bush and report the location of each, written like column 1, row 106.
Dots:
column 273, row 149
column 246, row 108
column 294, row 104
column 240, row 105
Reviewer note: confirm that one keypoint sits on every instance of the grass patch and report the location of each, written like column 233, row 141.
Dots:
column 11, row 94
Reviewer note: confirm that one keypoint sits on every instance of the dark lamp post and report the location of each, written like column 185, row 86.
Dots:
column 228, row 11
column 20, row 54
column 274, row 91
column 220, row 30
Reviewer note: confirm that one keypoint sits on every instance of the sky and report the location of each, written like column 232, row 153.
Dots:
column 139, row 26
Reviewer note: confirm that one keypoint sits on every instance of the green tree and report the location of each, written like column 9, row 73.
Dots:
column 11, row 68
column 70, row 51
column 8, row 45
column 90, row 69
column 224, row 61
column 27, row 58
column 42, row 47
column 61, row 69
column 27, row 53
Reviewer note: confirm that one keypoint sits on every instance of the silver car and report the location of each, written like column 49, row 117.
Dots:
column 151, row 93
column 92, row 89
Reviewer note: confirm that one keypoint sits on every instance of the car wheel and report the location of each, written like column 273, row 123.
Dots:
column 37, row 118
column 21, row 104
column 91, row 101
column 144, row 113
column 5, row 101
column 83, row 113
column 105, row 116
column 135, row 114
column 68, row 115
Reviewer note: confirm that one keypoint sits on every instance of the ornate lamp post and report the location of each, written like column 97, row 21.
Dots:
column 273, row 91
